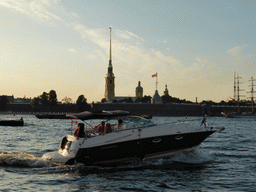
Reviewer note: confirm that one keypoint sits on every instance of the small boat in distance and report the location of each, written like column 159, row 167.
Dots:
column 12, row 122
column 136, row 139
column 51, row 116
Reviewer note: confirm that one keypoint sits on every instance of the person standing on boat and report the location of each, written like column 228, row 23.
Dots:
column 79, row 132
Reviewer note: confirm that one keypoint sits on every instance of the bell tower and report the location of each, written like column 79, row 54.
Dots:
column 139, row 91
column 166, row 92
column 110, row 79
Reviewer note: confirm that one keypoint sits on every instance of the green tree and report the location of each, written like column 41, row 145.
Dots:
column 208, row 102
column 44, row 100
column 129, row 100
column 166, row 99
column 67, row 100
column 35, row 103
column 52, row 99
column 137, row 100
column 3, row 103
column 146, row 99
column 126, row 100
column 81, row 103
column 103, row 100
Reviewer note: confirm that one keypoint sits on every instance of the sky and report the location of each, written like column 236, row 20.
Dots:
column 194, row 47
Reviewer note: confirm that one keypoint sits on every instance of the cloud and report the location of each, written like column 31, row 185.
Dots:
column 72, row 50
column 197, row 65
column 17, row 5
column 242, row 52
column 132, row 57
column 127, row 35
column 2, row 58
column 235, row 51
column 40, row 8
column 131, row 34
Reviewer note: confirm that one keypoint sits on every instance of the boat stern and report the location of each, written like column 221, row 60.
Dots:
column 67, row 150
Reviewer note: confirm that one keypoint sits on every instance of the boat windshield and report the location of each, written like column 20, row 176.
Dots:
column 130, row 122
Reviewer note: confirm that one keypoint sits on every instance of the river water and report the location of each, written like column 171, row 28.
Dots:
column 226, row 161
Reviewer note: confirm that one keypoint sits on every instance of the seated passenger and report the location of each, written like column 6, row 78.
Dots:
column 119, row 124
column 101, row 128
column 79, row 132
column 107, row 128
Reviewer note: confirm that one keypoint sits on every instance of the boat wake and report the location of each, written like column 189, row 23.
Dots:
column 196, row 158
column 23, row 160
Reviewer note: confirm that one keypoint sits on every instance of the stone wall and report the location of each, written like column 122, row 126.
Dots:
column 25, row 107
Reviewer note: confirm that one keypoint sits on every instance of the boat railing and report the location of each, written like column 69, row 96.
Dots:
column 199, row 124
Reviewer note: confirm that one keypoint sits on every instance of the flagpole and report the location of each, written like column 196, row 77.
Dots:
column 156, row 80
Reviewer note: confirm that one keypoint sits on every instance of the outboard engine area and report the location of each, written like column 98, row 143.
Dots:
column 63, row 142
column 67, row 150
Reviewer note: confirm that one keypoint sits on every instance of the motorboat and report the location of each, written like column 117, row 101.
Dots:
column 12, row 122
column 51, row 116
column 137, row 138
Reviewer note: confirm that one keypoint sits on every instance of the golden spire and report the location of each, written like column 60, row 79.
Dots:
column 110, row 59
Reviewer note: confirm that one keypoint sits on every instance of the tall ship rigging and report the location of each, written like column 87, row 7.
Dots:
column 237, row 97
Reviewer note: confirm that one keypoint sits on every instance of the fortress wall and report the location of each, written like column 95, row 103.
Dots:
column 216, row 110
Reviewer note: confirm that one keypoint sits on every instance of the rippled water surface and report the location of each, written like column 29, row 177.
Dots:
column 226, row 161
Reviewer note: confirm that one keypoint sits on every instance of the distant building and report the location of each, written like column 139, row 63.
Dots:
column 139, row 91
column 156, row 99
column 22, row 100
column 119, row 98
column 10, row 99
column 110, row 79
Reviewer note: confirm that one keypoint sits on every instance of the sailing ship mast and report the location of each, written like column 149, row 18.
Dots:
column 237, row 90
column 252, row 85
column 235, row 86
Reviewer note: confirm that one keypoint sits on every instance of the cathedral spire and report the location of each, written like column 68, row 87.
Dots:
column 110, row 67
column 110, row 78
column 110, row 56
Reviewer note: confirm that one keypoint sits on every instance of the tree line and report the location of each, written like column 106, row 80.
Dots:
column 48, row 102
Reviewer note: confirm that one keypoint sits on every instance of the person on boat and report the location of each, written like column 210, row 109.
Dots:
column 79, row 132
column 119, row 124
column 107, row 128
column 203, row 122
column 101, row 128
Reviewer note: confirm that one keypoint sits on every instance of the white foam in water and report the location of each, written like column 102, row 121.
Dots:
column 22, row 159
column 195, row 157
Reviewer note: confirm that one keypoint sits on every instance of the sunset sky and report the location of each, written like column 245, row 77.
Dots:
column 194, row 46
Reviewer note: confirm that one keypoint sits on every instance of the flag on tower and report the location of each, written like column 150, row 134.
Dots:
column 155, row 75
